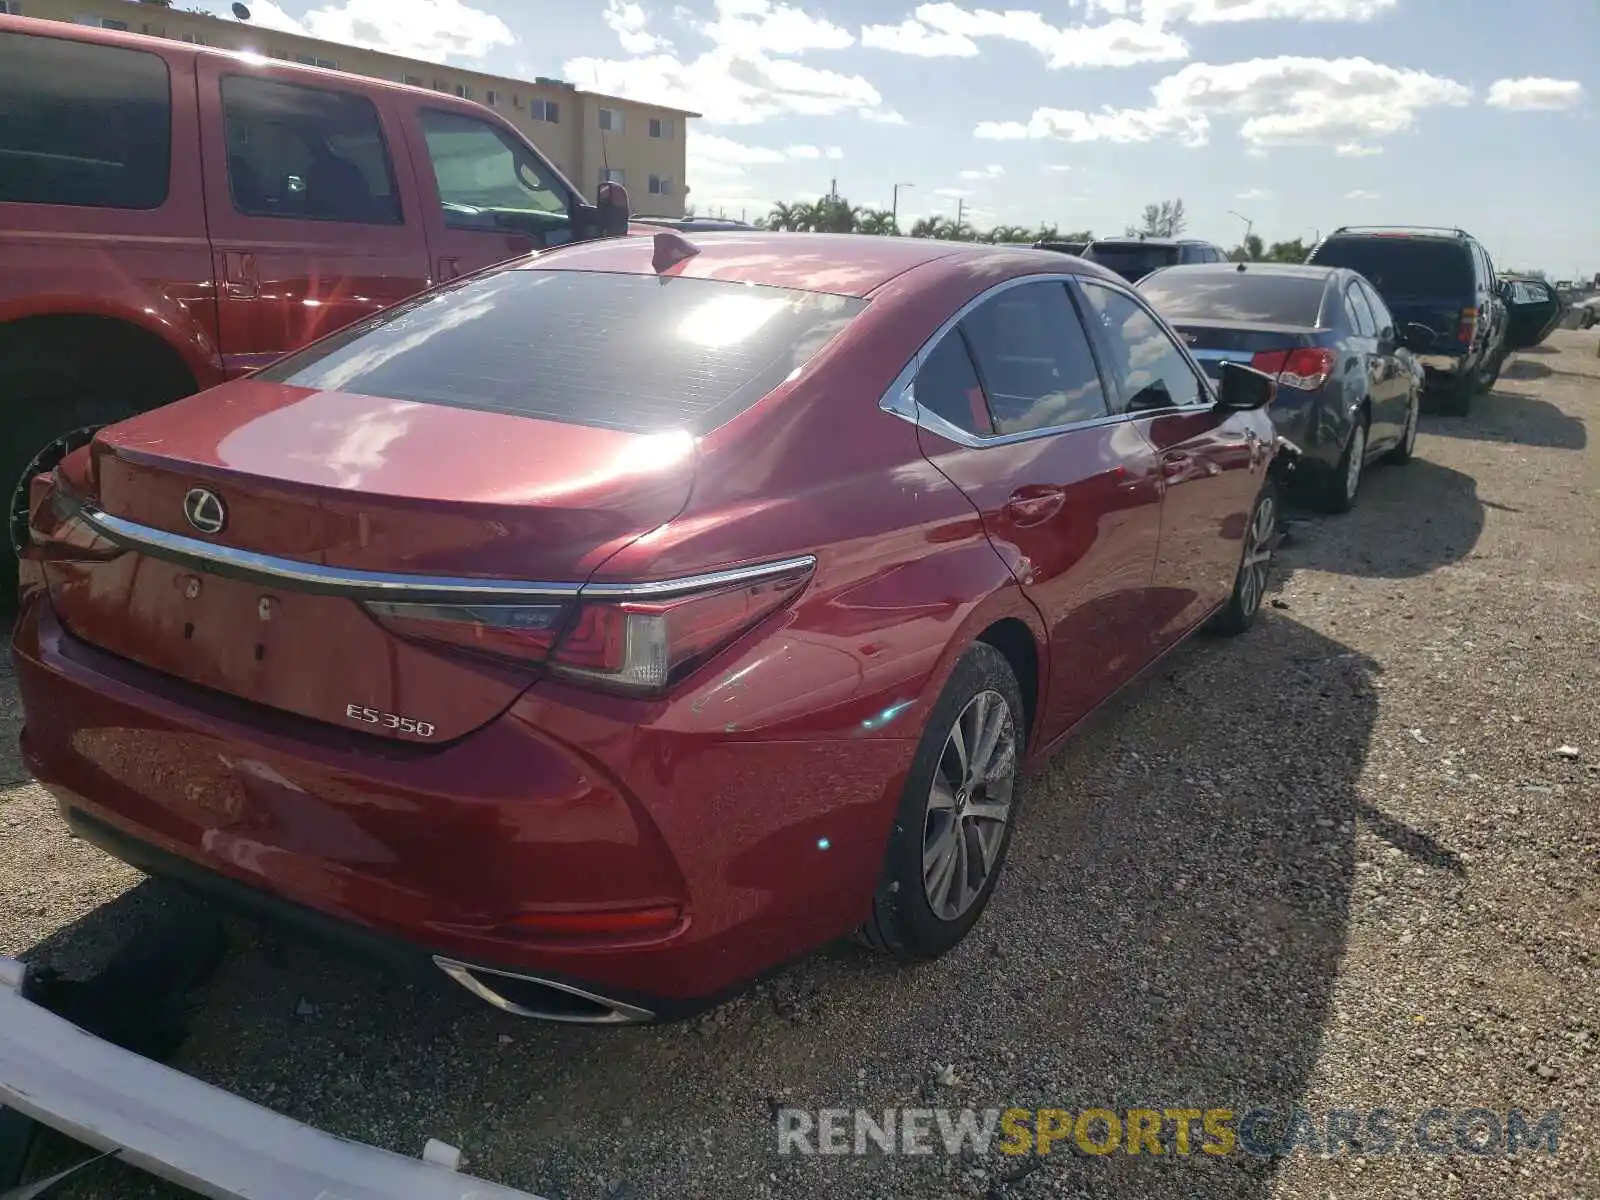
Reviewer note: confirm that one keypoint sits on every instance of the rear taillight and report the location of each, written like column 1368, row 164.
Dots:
column 1468, row 328
column 627, row 644
column 1307, row 368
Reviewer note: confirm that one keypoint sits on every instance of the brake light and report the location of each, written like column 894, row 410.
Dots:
column 1468, row 328
column 1306, row 368
column 638, row 646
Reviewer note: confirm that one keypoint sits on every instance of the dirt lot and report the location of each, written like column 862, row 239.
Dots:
column 1342, row 863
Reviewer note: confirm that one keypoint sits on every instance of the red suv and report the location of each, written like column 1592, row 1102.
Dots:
column 172, row 217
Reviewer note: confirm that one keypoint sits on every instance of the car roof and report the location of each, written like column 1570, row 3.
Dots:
column 847, row 264
column 1291, row 270
column 1136, row 240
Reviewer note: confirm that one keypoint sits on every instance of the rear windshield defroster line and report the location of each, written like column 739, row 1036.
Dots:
column 636, row 353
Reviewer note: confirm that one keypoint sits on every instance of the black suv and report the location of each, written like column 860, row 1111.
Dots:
column 1135, row 257
column 1444, row 279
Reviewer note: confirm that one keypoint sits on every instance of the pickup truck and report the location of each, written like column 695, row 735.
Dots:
column 173, row 216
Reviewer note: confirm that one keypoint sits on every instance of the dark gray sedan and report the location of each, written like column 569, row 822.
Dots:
column 1348, row 385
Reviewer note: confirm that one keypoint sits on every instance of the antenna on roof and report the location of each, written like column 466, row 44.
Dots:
column 671, row 248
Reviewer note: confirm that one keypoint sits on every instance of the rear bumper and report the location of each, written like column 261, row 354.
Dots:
column 1444, row 364
column 556, row 806
column 188, row 1132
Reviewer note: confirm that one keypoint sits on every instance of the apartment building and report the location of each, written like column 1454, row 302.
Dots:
column 589, row 136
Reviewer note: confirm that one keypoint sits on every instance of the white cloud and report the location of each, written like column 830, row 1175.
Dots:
column 632, row 26
column 1057, row 167
column 1534, row 93
column 1279, row 101
column 744, row 78
column 1359, row 194
column 946, row 29
column 992, row 171
column 883, row 116
column 1356, row 150
column 1207, row 12
column 911, row 36
column 760, row 26
column 803, row 152
column 433, row 30
column 833, row 152
column 1253, row 194
column 953, row 193
column 708, row 152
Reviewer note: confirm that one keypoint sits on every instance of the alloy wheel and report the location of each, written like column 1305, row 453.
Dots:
column 1409, row 440
column 48, row 457
column 1257, row 556
column 1357, row 453
column 969, row 805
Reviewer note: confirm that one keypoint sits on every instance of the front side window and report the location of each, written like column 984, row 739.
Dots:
column 1033, row 359
column 486, row 180
column 83, row 124
column 545, row 344
column 306, row 153
column 1151, row 370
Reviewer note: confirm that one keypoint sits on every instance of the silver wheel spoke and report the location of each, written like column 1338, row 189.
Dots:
column 938, row 854
column 969, row 805
column 994, row 717
column 940, row 797
column 989, row 811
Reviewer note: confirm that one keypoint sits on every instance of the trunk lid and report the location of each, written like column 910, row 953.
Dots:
column 346, row 483
column 1213, row 342
column 1440, row 313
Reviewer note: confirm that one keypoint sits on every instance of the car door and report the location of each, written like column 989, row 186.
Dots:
column 1211, row 463
column 486, row 195
column 1012, row 409
column 1493, row 298
column 1533, row 310
column 308, row 228
column 1387, row 388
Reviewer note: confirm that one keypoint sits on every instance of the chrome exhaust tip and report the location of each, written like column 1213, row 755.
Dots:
column 541, row 999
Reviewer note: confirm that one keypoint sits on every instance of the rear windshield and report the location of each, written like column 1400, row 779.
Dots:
column 1132, row 260
column 1403, row 266
column 638, row 353
column 1189, row 294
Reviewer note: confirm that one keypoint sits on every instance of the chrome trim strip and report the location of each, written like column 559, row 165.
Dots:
column 617, row 1012
column 900, row 400
column 234, row 563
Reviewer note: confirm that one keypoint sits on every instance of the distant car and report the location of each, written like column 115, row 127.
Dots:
column 1061, row 247
column 1348, row 385
column 1441, row 278
column 1588, row 312
column 1135, row 257
column 693, row 224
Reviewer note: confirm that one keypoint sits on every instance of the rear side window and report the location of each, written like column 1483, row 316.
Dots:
column 83, row 124
column 1361, row 312
column 947, row 386
column 1034, row 359
column 1235, row 295
column 1404, row 266
column 305, row 153
column 642, row 354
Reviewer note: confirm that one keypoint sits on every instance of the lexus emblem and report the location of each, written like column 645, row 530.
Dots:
column 204, row 510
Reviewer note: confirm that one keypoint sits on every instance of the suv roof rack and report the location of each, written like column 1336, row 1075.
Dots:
column 1450, row 229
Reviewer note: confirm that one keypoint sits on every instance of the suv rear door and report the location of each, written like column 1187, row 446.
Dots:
column 311, row 224
column 486, row 194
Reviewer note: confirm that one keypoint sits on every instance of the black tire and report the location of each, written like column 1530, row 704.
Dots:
column 1406, row 449
column 1333, row 491
column 1489, row 375
column 1250, row 580
column 903, row 921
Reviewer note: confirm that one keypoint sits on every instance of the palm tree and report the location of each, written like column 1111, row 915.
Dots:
column 784, row 216
column 1008, row 233
column 934, row 227
column 878, row 221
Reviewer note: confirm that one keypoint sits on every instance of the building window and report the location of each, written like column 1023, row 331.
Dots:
column 544, row 110
column 462, row 90
column 194, row 39
column 412, row 81
column 661, row 128
column 328, row 63
column 280, row 54
column 109, row 23
column 491, row 98
column 610, row 120
column 613, row 175
column 660, row 185
column 310, row 60
column 11, row 8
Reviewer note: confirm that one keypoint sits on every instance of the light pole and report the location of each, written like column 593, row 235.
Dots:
column 894, row 204
column 1249, row 227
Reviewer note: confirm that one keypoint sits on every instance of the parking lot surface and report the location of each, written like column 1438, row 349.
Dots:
column 1348, row 861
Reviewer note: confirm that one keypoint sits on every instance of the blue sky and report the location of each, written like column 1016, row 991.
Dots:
column 1299, row 114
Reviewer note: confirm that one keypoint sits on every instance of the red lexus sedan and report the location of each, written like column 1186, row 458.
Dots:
column 608, row 628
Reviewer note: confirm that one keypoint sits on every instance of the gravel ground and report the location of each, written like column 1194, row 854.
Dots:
column 1339, row 863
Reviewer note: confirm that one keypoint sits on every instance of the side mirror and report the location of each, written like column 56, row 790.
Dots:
column 1414, row 336
column 1243, row 389
column 615, row 209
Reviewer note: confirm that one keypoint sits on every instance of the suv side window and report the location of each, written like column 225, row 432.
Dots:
column 1380, row 310
column 1152, row 370
column 83, row 124
column 306, row 153
column 1360, row 312
column 486, row 180
column 1034, row 360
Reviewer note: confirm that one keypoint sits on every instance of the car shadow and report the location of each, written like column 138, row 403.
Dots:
column 11, row 771
column 1167, row 934
column 1437, row 510
column 1514, row 418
